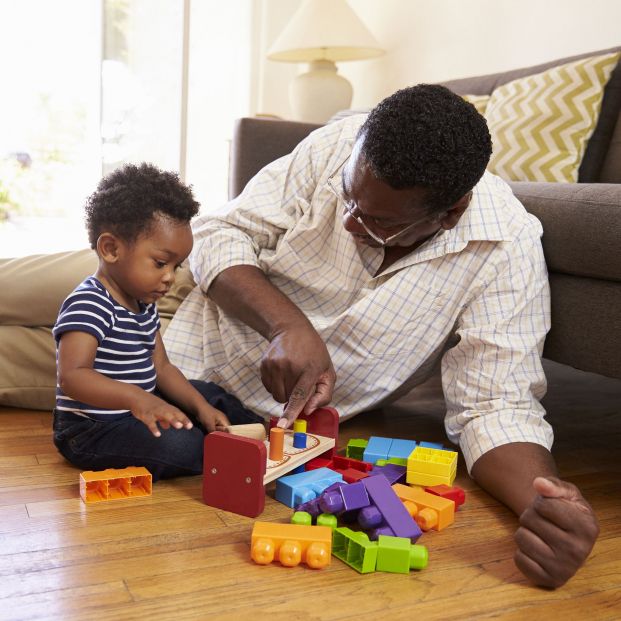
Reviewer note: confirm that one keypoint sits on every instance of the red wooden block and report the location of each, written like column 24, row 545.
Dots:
column 233, row 471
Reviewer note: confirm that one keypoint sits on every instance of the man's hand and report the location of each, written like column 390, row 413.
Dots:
column 152, row 410
column 297, row 369
column 556, row 534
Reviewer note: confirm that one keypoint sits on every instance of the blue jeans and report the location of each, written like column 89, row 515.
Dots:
column 97, row 445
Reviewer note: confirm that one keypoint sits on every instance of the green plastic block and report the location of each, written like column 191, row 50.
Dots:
column 398, row 461
column 355, row 549
column 355, row 448
column 303, row 518
column 398, row 555
column 327, row 519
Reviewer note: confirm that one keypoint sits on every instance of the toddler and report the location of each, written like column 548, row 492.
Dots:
column 119, row 400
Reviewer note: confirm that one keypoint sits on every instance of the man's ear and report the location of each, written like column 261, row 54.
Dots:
column 108, row 247
column 454, row 213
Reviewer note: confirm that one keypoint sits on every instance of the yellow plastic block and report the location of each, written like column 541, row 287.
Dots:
column 420, row 478
column 291, row 544
column 431, row 511
column 113, row 484
column 432, row 461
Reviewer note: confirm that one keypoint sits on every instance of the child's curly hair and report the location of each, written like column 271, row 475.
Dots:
column 127, row 199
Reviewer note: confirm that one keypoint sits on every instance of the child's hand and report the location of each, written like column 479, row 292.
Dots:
column 556, row 533
column 212, row 419
column 152, row 410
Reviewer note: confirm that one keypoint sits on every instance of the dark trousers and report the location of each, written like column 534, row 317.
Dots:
column 97, row 445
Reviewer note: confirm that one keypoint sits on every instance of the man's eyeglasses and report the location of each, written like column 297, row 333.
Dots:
column 382, row 238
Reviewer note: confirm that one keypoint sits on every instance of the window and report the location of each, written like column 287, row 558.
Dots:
column 89, row 86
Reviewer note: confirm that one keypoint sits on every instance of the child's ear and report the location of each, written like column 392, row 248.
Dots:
column 108, row 247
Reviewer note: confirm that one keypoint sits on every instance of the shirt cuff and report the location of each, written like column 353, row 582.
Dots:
column 490, row 430
column 218, row 251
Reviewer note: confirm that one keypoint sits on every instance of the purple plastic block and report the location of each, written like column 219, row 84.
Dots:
column 370, row 517
column 355, row 496
column 394, row 513
column 393, row 472
column 374, row 533
column 331, row 502
column 310, row 506
column 335, row 486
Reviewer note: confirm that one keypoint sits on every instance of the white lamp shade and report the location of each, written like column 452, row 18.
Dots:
column 324, row 30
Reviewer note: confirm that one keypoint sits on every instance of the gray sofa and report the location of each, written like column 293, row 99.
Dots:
column 581, row 221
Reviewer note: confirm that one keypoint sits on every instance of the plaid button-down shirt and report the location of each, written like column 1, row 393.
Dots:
column 476, row 296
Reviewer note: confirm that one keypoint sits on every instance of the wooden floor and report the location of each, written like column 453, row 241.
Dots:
column 171, row 557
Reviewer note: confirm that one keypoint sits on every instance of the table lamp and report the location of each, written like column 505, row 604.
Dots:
column 320, row 33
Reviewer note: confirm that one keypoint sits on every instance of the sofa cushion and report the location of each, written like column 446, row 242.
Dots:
column 602, row 159
column 581, row 226
column 478, row 101
column 540, row 124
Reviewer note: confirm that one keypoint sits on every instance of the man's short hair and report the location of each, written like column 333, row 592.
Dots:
column 127, row 200
column 427, row 136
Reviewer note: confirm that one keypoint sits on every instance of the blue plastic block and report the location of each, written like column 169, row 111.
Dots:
column 401, row 448
column 377, row 448
column 295, row 489
column 435, row 445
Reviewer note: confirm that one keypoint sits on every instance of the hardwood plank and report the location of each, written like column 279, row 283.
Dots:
column 61, row 603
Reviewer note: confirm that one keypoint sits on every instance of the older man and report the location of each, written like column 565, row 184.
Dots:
column 346, row 270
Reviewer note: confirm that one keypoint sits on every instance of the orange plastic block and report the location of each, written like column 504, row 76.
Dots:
column 291, row 544
column 113, row 484
column 428, row 510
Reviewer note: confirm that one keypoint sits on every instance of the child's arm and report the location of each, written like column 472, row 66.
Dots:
column 78, row 379
column 175, row 386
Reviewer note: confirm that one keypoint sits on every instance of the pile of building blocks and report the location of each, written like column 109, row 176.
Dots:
column 114, row 484
column 367, row 492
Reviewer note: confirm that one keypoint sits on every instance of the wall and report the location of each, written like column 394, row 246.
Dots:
column 433, row 40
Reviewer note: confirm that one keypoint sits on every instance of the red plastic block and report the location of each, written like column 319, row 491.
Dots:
column 455, row 493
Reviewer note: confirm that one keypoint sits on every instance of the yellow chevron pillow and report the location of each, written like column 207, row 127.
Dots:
column 478, row 101
column 540, row 124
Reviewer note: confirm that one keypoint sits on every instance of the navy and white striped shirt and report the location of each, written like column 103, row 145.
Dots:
column 126, row 341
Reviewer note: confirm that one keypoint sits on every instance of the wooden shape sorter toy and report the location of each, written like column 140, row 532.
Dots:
column 236, row 468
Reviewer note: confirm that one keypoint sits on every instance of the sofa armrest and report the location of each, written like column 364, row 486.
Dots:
column 582, row 246
column 259, row 141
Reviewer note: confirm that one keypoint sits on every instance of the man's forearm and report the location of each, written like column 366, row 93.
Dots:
column 507, row 472
column 244, row 291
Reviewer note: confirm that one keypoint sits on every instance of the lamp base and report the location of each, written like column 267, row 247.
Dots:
column 320, row 93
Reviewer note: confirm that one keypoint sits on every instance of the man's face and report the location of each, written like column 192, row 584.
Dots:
column 397, row 217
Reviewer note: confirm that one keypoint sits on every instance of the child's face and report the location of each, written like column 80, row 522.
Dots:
column 146, row 268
